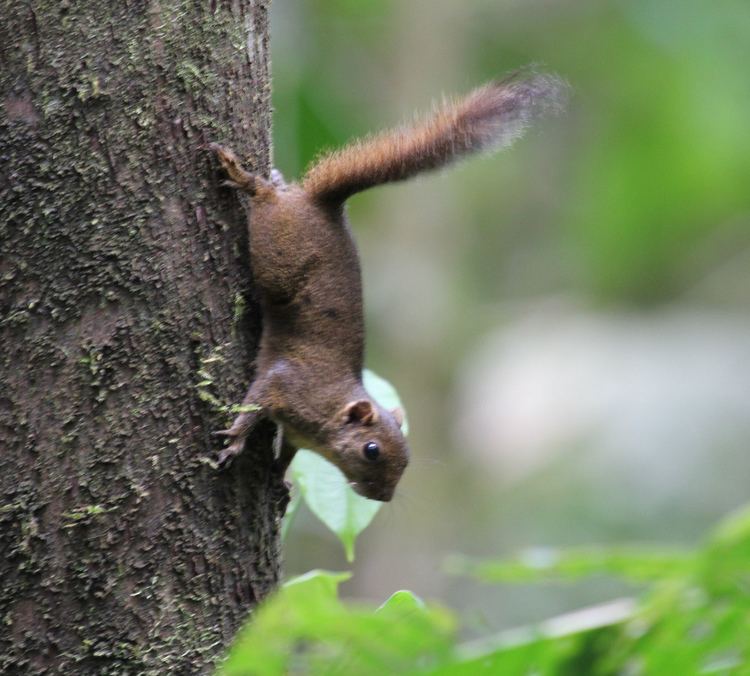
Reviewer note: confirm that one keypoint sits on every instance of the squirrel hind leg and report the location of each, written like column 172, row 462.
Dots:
column 239, row 178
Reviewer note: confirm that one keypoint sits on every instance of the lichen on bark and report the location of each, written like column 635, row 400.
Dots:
column 123, row 263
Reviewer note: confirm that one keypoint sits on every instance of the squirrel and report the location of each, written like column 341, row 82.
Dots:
column 306, row 267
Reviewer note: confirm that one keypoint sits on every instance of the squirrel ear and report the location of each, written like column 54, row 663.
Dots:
column 361, row 411
column 398, row 415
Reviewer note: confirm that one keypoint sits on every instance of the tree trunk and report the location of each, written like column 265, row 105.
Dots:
column 126, row 323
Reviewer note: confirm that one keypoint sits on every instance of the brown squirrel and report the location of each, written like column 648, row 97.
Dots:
column 305, row 263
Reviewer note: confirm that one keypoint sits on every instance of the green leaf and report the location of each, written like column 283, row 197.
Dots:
column 542, row 564
column 326, row 491
column 322, row 583
column 551, row 647
column 385, row 394
column 304, row 628
column 401, row 603
column 265, row 643
column 291, row 511
column 725, row 566
column 733, row 530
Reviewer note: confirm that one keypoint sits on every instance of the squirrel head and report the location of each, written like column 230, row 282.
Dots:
column 368, row 446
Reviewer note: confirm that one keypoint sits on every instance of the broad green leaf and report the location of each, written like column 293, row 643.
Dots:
column 725, row 567
column 733, row 529
column 541, row 564
column 304, row 628
column 265, row 642
column 322, row 583
column 328, row 495
column 551, row 647
column 325, row 489
column 401, row 603
column 291, row 511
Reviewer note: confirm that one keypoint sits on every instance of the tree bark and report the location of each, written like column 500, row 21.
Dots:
column 127, row 322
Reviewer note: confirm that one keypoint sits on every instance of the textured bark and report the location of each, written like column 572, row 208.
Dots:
column 126, row 321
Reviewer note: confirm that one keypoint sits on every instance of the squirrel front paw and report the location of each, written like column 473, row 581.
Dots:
column 228, row 454
column 237, row 433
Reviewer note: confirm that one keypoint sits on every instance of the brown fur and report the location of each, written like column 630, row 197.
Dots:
column 307, row 269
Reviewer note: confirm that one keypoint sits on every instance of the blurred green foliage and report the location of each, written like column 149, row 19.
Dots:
column 549, row 564
column 654, row 156
column 695, row 618
column 636, row 197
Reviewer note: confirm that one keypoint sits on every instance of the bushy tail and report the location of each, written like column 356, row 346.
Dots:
column 489, row 118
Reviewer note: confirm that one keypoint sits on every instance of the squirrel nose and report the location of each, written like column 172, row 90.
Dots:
column 373, row 491
column 384, row 494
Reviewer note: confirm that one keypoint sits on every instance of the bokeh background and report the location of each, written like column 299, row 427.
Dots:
column 566, row 322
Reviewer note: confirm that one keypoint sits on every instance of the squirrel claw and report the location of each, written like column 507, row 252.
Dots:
column 227, row 455
column 222, row 433
column 240, row 179
column 225, row 459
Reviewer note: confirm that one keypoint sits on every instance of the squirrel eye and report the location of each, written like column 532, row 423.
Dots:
column 371, row 450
